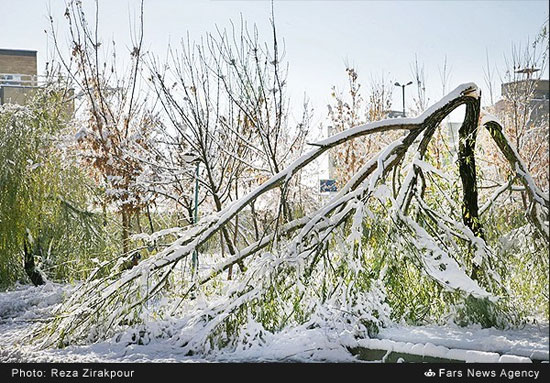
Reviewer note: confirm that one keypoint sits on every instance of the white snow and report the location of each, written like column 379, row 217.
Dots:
column 18, row 309
column 431, row 350
column 530, row 341
column 439, row 264
column 25, row 304
column 174, row 338
column 22, row 307
column 486, row 117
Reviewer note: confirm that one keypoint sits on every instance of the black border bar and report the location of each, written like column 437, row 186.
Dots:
column 353, row 372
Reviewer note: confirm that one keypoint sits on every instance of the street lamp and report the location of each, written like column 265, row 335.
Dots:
column 403, row 88
column 191, row 158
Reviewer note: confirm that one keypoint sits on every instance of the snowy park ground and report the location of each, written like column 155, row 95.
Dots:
column 24, row 306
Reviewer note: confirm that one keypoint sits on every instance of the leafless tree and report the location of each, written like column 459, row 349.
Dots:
column 351, row 109
column 225, row 99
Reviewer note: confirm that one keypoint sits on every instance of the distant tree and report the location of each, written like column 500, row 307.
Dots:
column 524, row 117
column 420, row 100
column 225, row 103
column 114, row 124
column 349, row 110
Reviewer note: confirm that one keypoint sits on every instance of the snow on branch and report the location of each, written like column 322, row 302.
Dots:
column 117, row 297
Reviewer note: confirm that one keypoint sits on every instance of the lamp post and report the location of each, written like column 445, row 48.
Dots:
column 191, row 158
column 403, row 88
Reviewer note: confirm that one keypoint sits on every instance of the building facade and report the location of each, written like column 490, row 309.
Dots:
column 538, row 93
column 18, row 75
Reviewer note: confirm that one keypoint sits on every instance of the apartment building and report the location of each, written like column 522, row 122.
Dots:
column 18, row 75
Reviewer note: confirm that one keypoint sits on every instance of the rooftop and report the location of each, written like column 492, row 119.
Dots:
column 17, row 52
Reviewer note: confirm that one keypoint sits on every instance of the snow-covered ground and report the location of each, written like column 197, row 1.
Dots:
column 530, row 341
column 25, row 306
column 22, row 307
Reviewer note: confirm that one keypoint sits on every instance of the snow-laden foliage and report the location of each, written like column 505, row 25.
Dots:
column 44, row 196
column 343, row 267
column 161, row 340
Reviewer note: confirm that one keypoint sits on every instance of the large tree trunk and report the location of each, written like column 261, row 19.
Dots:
column 467, row 168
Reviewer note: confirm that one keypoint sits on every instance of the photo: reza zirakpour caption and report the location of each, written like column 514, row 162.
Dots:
column 60, row 373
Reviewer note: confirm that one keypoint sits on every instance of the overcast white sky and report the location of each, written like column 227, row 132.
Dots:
column 377, row 37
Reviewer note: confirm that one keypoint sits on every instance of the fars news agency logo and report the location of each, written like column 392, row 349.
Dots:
column 429, row 373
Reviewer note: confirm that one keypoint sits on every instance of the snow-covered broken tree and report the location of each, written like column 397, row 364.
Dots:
column 328, row 267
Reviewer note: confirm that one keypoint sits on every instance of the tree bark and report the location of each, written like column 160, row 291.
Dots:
column 467, row 169
column 126, row 224
column 33, row 272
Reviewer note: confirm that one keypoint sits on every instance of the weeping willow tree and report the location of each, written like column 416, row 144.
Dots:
column 398, row 226
column 46, row 230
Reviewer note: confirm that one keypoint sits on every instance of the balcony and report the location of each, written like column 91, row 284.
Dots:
column 18, row 79
column 15, row 88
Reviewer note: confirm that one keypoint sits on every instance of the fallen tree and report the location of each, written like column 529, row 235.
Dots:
column 286, row 261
